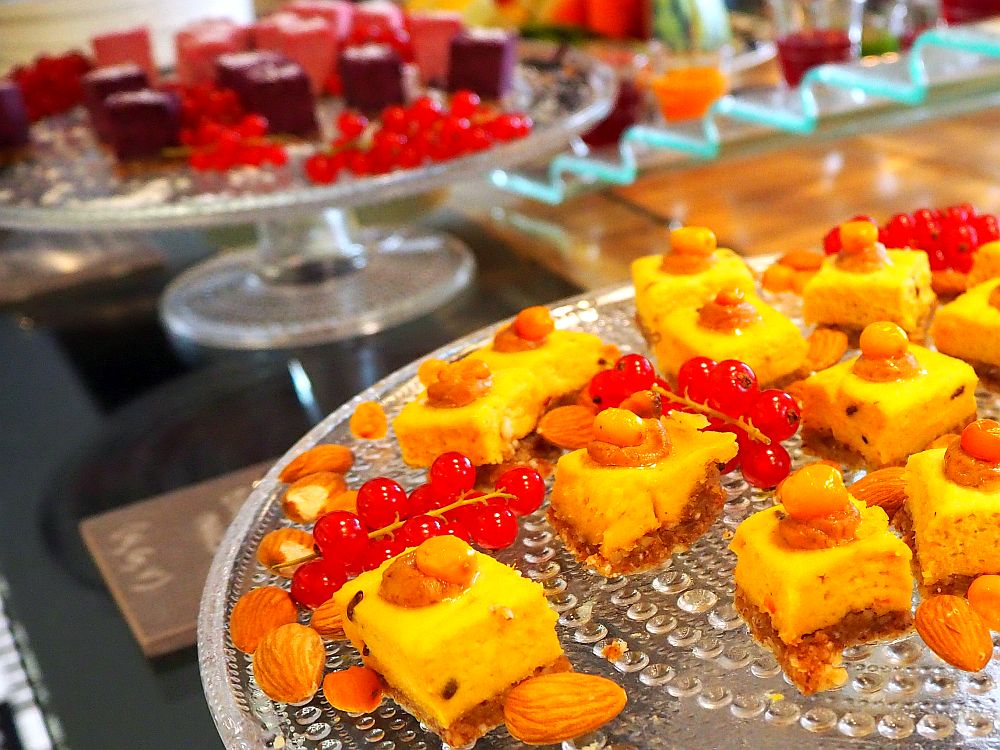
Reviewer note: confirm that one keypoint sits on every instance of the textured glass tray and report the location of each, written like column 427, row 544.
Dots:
column 694, row 677
column 70, row 182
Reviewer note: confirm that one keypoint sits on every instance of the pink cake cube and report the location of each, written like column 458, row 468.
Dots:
column 311, row 42
column 201, row 42
column 123, row 47
column 382, row 13
column 431, row 33
column 338, row 13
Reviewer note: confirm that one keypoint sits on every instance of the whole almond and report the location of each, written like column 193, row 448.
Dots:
column 257, row 613
column 951, row 629
column 328, row 620
column 568, row 427
column 311, row 496
column 826, row 347
column 949, row 283
column 280, row 547
column 553, row 708
column 325, row 457
column 288, row 663
column 884, row 488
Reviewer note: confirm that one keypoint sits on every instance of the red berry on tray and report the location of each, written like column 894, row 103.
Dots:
column 899, row 231
column 339, row 535
column 527, row 487
column 764, row 466
column 458, row 530
column 493, row 527
column 692, row 378
column 831, row 241
column 732, row 387
column 452, row 472
column 351, row 124
column 464, row 103
column 775, row 413
column 608, row 388
column 959, row 241
column 986, row 228
column 379, row 550
column 381, row 501
column 638, row 372
column 419, row 529
column 314, row 582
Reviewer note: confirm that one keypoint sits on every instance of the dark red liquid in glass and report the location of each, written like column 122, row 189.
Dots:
column 968, row 11
column 806, row 49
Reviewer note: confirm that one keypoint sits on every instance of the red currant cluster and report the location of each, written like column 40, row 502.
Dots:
column 51, row 85
column 388, row 520
column 949, row 236
column 407, row 137
column 221, row 135
column 728, row 394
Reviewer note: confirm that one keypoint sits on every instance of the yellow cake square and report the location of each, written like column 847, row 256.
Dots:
column 773, row 346
column 658, row 292
column 899, row 292
column 955, row 530
column 485, row 430
column 884, row 422
column 969, row 327
column 451, row 662
column 619, row 519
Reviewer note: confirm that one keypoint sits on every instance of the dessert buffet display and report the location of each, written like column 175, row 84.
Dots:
column 703, row 571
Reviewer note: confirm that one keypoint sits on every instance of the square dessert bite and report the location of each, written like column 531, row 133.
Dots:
column 951, row 516
column 431, row 33
column 200, row 43
column 692, row 273
column 865, row 283
column 450, row 653
column 280, row 91
column 309, row 41
column 99, row 84
column 371, row 77
column 14, row 125
column 969, row 327
column 819, row 573
column 469, row 409
column 888, row 403
column 143, row 123
column 732, row 326
column 627, row 505
column 124, row 47
column 483, row 61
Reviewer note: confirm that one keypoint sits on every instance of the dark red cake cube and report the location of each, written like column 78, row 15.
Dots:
column 280, row 92
column 13, row 116
column 371, row 77
column 143, row 123
column 231, row 70
column 483, row 60
column 99, row 84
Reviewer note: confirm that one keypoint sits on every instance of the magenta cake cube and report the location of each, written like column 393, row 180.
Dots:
column 338, row 13
column 431, row 33
column 13, row 116
column 200, row 44
column 101, row 83
column 483, row 60
column 280, row 92
column 127, row 46
column 143, row 123
column 231, row 70
column 311, row 42
column 371, row 77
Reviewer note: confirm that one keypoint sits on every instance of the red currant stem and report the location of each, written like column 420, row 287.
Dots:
column 744, row 424
column 439, row 512
column 296, row 561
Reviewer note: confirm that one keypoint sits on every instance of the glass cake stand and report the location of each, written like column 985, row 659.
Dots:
column 694, row 677
column 313, row 276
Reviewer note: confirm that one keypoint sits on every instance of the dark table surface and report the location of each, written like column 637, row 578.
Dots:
column 99, row 409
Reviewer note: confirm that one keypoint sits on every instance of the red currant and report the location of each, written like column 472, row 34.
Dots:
column 418, row 529
column 462, row 532
column 321, row 169
column 638, row 372
column 831, row 241
column 527, row 487
column 959, row 242
column 464, row 103
column 775, row 413
column 339, row 535
column 452, row 472
column 422, row 498
column 959, row 214
column 732, row 387
column 608, row 389
column 693, row 378
column 351, row 124
column 928, row 235
column 764, row 466
column 253, row 126
column 316, row 581
column 381, row 501
column 424, row 112
column 493, row 527
column 379, row 550
column 899, row 230
column 925, row 216
column 986, row 228
column 394, row 119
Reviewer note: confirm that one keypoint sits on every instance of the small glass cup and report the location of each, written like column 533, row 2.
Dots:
column 813, row 32
column 968, row 11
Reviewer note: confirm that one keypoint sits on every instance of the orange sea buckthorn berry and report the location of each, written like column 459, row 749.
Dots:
column 448, row 559
column 729, row 297
column 693, row 241
column 619, row 427
column 856, row 236
column 883, row 340
column 357, row 690
column 981, row 440
column 984, row 596
column 428, row 370
column 534, row 323
column 369, row 421
column 814, row 491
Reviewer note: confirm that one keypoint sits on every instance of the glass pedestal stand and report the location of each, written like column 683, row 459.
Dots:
column 315, row 278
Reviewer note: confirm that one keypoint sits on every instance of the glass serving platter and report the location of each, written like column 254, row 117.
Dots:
column 694, row 677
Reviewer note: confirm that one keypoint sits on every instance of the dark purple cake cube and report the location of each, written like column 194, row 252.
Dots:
column 483, row 60
column 13, row 116
column 371, row 77
column 143, row 123
column 280, row 91
column 231, row 70
column 99, row 84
